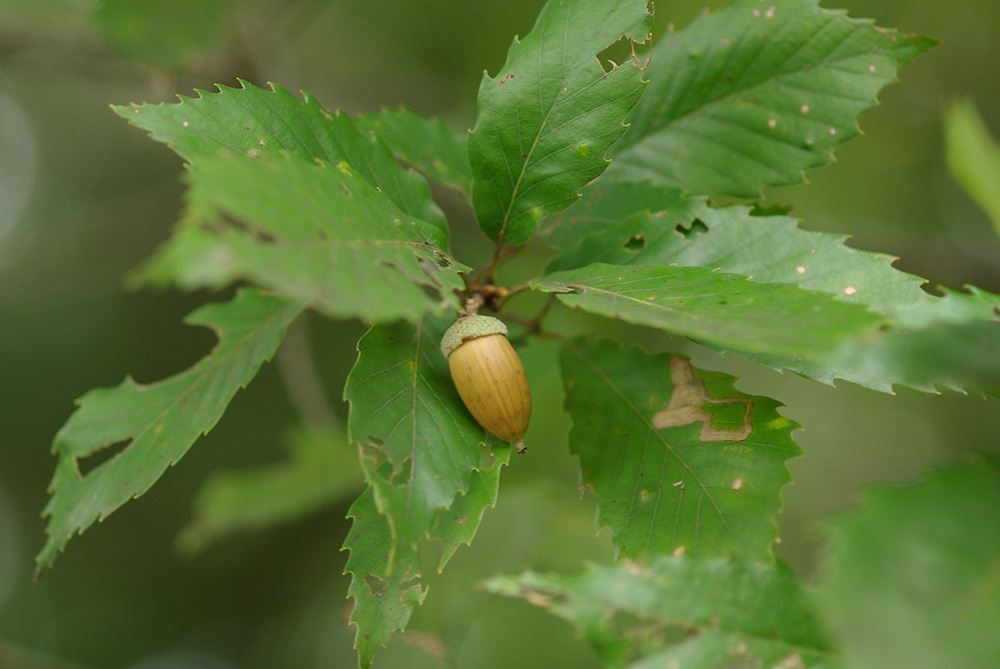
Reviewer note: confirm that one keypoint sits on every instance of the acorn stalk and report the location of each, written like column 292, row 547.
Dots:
column 489, row 376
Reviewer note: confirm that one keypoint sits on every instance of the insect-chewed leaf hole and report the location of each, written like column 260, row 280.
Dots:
column 88, row 463
column 697, row 227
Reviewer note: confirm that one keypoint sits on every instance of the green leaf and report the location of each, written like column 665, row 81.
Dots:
column 546, row 120
column 973, row 157
column 404, row 408
column 384, row 602
column 647, row 224
column 679, row 460
column 169, row 33
column 316, row 233
column 679, row 612
column 606, row 205
column 320, row 471
column 266, row 125
column 158, row 423
column 426, row 144
column 951, row 341
column 912, row 577
column 724, row 310
column 757, row 93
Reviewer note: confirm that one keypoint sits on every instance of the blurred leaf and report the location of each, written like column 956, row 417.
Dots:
column 426, row 144
column 911, row 578
column 384, row 601
column 404, row 406
column 724, row 310
column 547, row 119
column 753, row 95
column 168, row 33
column 678, row 459
column 317, row 233
column 320, row 471
column 158, row 423
column 267, row 125
column 680, row 612
column 973, row 157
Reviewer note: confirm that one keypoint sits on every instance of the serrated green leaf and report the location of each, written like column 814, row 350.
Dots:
column 973, row 157
column 678, row 459
column 426, row 144
column 753, row 95
column 951, row 341
column 404, row 406
column 607, row 204
column 320, row 471
column 159, row 422
column 545, row 122
column 911, row 578
column 644, row 223
column 168, row 33
column 724, row 310
column 679, row 612
column 267, row 125
column 384, row 602
column 316, row 233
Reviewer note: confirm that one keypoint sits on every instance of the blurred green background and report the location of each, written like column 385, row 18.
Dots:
column 84, row 198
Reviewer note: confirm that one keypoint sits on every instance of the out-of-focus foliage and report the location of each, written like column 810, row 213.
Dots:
column 66, row 326
column 929, row 596
column 973, row 157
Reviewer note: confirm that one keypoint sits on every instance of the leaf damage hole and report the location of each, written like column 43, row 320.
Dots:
column 635, row 243
column 376, row 585
column 88, row 463
column 618, row 53
column 696, row 227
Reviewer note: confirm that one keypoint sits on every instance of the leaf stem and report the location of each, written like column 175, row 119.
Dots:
column 298, row 373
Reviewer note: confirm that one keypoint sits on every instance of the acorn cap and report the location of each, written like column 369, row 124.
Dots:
column 470, row 327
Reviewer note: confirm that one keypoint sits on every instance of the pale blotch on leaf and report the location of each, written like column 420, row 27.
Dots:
column 680, row 551
column 687, row 406
column 772, row 123
column 738, row 484
column 850, row 290
column 583, row 149
column 185, row 123
column 804, row 109
column 801, row 269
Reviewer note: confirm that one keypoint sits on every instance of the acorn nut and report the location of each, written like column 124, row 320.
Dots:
column 489, row 376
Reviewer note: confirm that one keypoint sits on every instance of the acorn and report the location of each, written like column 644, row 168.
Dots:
column 489, row 376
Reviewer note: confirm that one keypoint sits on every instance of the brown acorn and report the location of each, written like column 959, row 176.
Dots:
column 489, row 376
